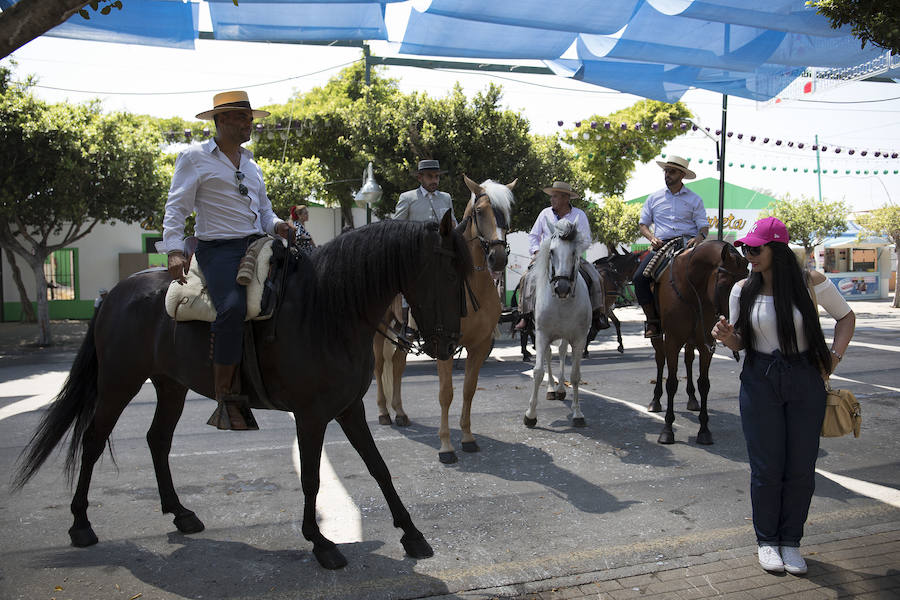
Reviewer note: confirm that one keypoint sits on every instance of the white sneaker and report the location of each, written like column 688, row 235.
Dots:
column 793, row 562
column 770, row 560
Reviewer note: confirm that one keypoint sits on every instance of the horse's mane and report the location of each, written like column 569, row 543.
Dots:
column 351, row 269
column 501, row 198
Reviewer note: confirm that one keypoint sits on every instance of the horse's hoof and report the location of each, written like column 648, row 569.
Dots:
column 621, row 350
column 82, row 538
column 666, row 437
column 654, row 406
column 470, row 446
column 416, row 546
column 188, row 523
column 401, row 421
column 384, row 419
column 551, row 396
column 561, row 395
column 529, row 422
column 447, row 458
column 579, row 422
column 705, row 438
column 693, row 404
column 330, row 558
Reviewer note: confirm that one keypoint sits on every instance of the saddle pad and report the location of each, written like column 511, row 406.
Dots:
column 191, row 301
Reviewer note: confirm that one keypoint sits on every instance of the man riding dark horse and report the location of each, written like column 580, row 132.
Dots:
column 676, row 213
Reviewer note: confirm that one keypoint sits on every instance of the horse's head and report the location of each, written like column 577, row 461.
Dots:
column 437, row 298
column 487, row 220
column 563, row 251
column 732, row 267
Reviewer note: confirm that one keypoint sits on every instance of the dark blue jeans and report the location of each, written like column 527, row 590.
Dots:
column 219, row 260
column 642, row 284
column 782, row 407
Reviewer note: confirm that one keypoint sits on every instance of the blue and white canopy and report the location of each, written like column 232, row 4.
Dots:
column 652, row 48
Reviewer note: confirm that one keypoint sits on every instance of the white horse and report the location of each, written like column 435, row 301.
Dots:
column 562, row 311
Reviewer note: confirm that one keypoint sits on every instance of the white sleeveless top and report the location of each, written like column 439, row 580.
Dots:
column 763, row 320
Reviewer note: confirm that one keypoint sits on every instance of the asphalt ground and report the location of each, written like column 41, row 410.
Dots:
column 542, row 511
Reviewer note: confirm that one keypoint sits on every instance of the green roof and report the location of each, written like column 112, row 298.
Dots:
column 736, row 197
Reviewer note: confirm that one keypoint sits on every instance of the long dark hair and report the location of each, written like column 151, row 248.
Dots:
column 789, row 289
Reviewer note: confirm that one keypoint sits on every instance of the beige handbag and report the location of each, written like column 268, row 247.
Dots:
column 842, row 413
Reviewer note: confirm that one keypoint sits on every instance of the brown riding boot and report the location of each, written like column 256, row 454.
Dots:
column 233, row 410
column 652, row 326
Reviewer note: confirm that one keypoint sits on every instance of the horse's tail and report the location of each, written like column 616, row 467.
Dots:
column 74, row 404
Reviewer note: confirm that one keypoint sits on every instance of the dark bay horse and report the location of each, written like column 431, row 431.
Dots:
column 692, row 294
column 332, row 302
column 615, row 271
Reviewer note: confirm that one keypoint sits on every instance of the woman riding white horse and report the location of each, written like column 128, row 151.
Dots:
column 562, row 311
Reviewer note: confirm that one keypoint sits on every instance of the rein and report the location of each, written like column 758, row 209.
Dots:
column 486, row 243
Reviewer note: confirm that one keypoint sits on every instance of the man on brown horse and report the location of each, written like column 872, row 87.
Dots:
column 675, row 212
column 219, row 180
column 561, row 194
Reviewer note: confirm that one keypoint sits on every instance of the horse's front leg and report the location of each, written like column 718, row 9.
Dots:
column 380, row 350
column 577, row 416
column 668, row 434
column 659, row 353
column 689, row 368
column 704, row 435
column 353, row 422
column 446, row 453
column 474, row 360
column 310, row 437
column 615, row 320
column 399, row 365
column 541, row 359
column 169, row 406
column 561, row 382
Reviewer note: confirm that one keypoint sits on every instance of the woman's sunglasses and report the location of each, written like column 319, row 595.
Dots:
column 751, row 250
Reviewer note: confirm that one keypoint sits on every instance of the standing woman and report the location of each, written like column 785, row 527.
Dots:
column 782, row 394
column 299, row 217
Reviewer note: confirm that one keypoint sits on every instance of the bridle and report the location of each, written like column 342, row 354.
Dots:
column 570, row 277
column 486, row 243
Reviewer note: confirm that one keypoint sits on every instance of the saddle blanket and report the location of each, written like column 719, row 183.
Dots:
column 191, row 301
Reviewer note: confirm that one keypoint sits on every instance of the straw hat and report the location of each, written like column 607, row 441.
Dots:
column 676, row 162
column 236, row 100
column 561, row 186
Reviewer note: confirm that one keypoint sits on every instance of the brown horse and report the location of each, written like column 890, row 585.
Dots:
column 615, row 271
column 332, row 303
column 692, row 294
column 486, row 222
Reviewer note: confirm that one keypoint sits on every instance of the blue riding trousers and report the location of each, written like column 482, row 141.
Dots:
column 782, row 402
column 219, row 260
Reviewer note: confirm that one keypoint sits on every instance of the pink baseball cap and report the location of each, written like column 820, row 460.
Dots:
column 764, row 231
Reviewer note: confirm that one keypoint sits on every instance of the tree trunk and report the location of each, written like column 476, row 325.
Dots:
column 896, row 303
column 43, row 306
column 28, row 315
column 28, row 19
column 347, row 214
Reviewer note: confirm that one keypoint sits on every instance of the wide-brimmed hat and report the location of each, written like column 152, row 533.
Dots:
column 236, row 100
column 561, row 186
column 429, row 164
column 764, row 231
column 676, row 162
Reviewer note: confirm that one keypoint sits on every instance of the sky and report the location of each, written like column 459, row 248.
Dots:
column 171, row 82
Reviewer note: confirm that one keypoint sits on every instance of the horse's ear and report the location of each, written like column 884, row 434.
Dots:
column 473, row 187
column 512, row 183
column 446, row 224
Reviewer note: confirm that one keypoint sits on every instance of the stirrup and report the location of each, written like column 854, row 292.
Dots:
column 652, row 329
column 233, row 412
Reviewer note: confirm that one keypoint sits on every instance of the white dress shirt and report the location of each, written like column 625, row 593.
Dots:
column 545, row 225
column 674, row 215
column 205, row 182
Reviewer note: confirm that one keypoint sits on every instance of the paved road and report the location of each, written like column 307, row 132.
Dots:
column 534, row 504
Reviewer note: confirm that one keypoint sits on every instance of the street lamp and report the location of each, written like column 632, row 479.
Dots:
column 369, row 193
column 720, row 160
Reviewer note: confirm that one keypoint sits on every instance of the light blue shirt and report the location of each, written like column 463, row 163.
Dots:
column 674, row 215
column 204, row 182
column 545, row 225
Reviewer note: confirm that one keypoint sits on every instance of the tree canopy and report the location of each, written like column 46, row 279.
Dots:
column 884, row 221
column 808, row 221
column 615, row 222
column 874, row 21
column 66, row 168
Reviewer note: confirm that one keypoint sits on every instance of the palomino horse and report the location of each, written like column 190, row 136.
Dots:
column 332, row 303
column 485, row 222
column 692, row 295
column 562, row 310
column 615, row 271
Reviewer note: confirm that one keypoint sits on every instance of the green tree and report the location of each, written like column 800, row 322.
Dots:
column 809, row 222
column 885, row 221
column 606, row 157
column 874, row 21
column 289, row 183
column 615, row 222
column 64, row 168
